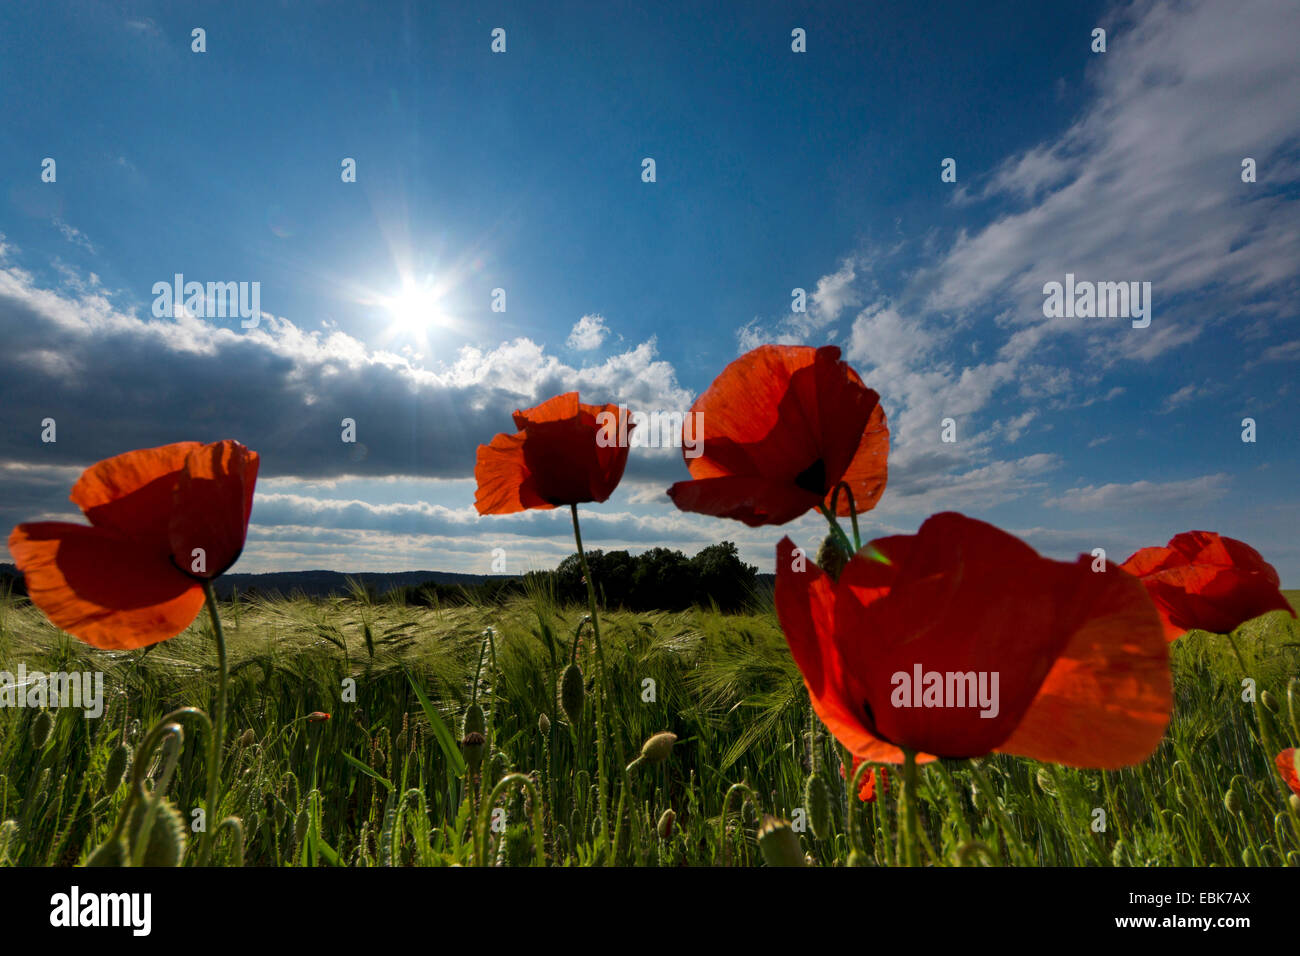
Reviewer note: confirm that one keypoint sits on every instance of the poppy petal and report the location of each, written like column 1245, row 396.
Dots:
column 794, row 421
column 972, row 604
column 753, row 499
column 1289, row 769
column 105, row 589
column 868, row 472
column 1207, row 581
column 1107, row 699
column 211, row 504
column 131, row 493
column 504, row 483
column 570, row 460
column 805, row 606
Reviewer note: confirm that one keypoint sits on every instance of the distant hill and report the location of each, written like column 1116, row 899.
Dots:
column 310, row 583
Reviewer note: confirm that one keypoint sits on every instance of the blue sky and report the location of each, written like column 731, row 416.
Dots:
column 774, row 170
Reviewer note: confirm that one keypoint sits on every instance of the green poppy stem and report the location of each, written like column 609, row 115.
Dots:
column 603, row 698
column 853, row 511
column 217, row 738
column 911, row 820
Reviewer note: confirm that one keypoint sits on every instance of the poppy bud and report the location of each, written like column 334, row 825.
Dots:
column 544, row 725
column 572, row 693
column 779, row 843
column 300, row 827
column 1232, row 800
column 666, row 821
column 42, row 725
column 475, row 722
column 247, row 738
column 817, row 803
column 116, row 767
column 1268, row 700
column 831, row 557
column 1294, row 800
column 165, row 843
column 518, row 846
column 111, row 852
column 472, row 745
column 857, row 858
column 497, row 767
column 659, row 747
column 1044, row 779
column 7, row 830
column 316, row 716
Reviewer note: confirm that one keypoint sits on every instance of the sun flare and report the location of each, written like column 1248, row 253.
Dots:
column 415, row 308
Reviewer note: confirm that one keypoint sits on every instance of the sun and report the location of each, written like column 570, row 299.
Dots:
column 415, row 308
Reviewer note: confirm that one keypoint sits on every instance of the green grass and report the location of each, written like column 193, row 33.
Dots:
column 378, row 784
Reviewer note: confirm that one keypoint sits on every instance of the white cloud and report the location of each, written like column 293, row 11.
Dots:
column 1192, row 493
column 1145, row 184
column 588, row 333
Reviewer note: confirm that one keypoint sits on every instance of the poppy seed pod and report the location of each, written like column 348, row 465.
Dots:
column 817, row 803
column 1232, row 800
column 572, row 693
column 116, row 767
column 831, row 557
column 42, row 724
column 472, row 745
column 659, row 747
column 779, row 843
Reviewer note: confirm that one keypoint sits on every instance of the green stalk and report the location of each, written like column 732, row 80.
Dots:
column 1014, row 847
column 218, row 736
column 911, row 821
column 604, row 696
column 853, row 511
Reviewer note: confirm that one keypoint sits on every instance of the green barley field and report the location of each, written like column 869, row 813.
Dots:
column 384, row 781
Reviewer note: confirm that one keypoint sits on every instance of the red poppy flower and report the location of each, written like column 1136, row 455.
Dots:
column 564, row 454
column 779, row 429
column 1286, row 766
column 867, row 785
column 161, row 521
column 912, row 648
column 1204, row 580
